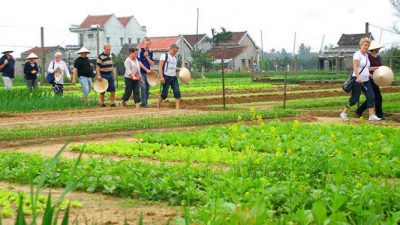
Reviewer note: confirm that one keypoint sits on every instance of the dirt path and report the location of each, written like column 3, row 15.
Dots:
column 106, row 209
column 86, row 115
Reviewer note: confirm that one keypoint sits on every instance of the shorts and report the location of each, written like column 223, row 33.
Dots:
column 111, row 83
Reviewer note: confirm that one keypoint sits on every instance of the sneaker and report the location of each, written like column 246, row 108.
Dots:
column 374, row 118
column 344, row 116
column 113, row 105
column 103, row 105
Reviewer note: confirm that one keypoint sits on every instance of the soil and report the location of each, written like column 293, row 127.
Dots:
column 36, row 119
column 105, row 209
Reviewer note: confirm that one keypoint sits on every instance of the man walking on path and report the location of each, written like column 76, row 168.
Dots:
column 168, row 69
column 83, row 70
column 146, row 58
column 104, row 70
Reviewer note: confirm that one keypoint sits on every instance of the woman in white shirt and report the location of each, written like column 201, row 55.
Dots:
column 132, row 77
column 59, row 68
column 362, row 82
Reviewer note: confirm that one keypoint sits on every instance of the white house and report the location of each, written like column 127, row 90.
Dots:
column 239, row 54
column 114, row 30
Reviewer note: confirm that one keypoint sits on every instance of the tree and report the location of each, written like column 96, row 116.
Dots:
column 221, row 37
column 200, row 59
column 396, row 7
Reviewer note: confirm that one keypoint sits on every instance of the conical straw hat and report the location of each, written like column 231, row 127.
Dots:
column 152, row 78
column 184, row 75
column 82, row 50
column 383, row 76
column 375, row 45
column 32, row 56
column 101, row 86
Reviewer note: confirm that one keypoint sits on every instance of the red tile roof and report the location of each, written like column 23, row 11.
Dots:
column 226, row 53
column 93, row 20
column 124, row 20
column 38, row 50
column 193, row 39
column 161, row 43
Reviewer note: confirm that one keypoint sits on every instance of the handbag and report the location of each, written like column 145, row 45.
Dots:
column 348, row 84
column 50, row 77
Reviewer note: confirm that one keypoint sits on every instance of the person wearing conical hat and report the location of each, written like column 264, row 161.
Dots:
column 7, row 66
column 31, row 70
column 84, row 71
column 375, row 61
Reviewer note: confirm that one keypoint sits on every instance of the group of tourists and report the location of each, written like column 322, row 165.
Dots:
column 365, row 61
column 137, row 67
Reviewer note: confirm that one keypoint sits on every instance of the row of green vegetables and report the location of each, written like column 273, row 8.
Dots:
column 278, row 173
column 19, row 133
column 9, row 201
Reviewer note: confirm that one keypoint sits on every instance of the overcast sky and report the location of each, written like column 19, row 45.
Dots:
column 279, row 20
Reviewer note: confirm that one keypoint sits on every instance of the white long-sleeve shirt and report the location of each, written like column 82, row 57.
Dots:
column 131, row 67
column 63, row 68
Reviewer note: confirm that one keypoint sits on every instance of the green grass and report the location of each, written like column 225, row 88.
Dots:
column 19, row 100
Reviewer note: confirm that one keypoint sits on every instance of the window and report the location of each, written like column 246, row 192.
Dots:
column 122, row 41
column 81, row 40
column 130, row 40
column 108, row 39
column 244, row 63
column 90, row 36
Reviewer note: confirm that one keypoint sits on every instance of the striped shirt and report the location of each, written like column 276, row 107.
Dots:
column 105, row 63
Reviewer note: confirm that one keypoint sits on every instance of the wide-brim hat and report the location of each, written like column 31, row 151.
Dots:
column 4, row 52
column 184, row 75
column 83, row 50
column 383, row 76
column 375, row 45
column 100, row 86
column 32, row 56
column 153, row 78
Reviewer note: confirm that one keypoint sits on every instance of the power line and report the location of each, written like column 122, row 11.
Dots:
column 385, row 29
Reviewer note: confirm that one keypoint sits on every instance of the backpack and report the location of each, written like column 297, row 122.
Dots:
column 166, row 62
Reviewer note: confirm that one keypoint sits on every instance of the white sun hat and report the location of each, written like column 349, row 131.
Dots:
column 7, row 51
column 383, row 76
column 375, row 45
column 32, row 56
column 83, row 50
column 184, row 75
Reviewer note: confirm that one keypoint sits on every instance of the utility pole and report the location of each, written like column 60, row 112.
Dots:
column 197, row 24
column 262, row 45
column 223, row 82
column 98, row 39
column 43, row 59
column 182, row 52
column 294, row 58
column 367, row 28
column 320, row 51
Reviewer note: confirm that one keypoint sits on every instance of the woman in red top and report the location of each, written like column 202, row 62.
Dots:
column 375, row 61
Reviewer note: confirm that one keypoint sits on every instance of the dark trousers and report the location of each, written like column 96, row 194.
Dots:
column 145, row 90
column 131, row 86
column 173, row 82
column 378, row 101
column 365, row 87
column 58, row 89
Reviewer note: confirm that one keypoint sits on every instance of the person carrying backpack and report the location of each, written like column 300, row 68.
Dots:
column 168, row 69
